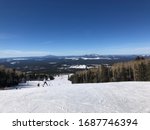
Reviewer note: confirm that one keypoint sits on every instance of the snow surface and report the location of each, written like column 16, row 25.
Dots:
column 72, row 58
column 62, row 96
column 78, row 67
column 20, row 59
column 96, row 58
column 13, row 63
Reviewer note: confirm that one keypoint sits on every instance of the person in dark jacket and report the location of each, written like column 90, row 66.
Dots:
column 45, row 83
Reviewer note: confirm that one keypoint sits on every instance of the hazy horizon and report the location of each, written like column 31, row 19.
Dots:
column 36, row 55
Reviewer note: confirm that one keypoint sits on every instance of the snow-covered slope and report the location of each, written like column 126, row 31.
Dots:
column 62, row 96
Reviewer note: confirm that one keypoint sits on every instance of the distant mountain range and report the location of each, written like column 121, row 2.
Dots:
column 94, row 56
column 77, row 57
column 63, row 64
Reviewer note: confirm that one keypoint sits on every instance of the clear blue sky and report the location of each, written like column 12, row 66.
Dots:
column 66, row 27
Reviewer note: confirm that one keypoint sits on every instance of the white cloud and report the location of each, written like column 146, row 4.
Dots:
column 17, row 53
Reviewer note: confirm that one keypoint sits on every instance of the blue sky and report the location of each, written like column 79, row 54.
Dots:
column 74, row 27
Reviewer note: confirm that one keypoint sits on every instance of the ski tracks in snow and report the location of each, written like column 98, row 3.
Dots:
column 62, row 96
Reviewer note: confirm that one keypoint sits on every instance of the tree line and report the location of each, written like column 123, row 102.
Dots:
column 10, row 77
column 38, row 76
column 137, row 70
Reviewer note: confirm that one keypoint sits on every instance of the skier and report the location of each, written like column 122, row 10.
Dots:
column 45, row 83
column 38, row 84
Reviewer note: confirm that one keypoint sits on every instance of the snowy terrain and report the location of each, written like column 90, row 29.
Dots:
column 96, row 58
column 78, row 67
column 62, row 96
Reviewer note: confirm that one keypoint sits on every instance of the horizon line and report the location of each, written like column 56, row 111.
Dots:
column 74, row 55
